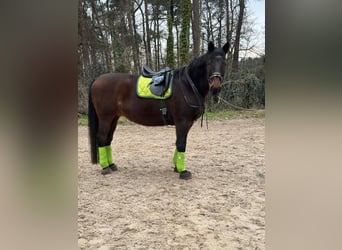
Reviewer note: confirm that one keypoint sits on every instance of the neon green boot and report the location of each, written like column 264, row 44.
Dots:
column 109, row 154
column 103, row 159
column 180, row 161
column 112, row 166
column 175, row 158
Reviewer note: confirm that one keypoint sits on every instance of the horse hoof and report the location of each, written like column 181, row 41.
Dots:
column 185, row 175
column 106, row 170
column 113, row 167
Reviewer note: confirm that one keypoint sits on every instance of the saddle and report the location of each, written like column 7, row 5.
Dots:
column 160, row 79
column 148, row 72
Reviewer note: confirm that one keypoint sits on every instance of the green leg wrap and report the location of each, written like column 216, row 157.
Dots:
column 175, row 157
column 103, row 157
column 180, row 161
column 109, row 154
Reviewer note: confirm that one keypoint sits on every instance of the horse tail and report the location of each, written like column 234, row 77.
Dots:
column 93, row 124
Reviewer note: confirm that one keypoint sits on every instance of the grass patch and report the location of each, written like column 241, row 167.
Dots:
column 234, row 114
column 124, row 121
column 222, row 115
column 82, row 120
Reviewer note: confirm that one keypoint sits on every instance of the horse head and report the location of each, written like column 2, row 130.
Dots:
column 216, row 66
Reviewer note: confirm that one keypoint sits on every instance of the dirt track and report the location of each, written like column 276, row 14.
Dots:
column 144, row 205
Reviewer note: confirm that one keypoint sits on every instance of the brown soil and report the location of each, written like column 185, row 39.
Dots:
column 144, row 205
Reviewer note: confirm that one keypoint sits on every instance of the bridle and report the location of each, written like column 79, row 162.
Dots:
column 215, row 74
column 200, row 99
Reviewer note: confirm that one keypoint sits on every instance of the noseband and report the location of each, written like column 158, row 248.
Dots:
column 213, row 75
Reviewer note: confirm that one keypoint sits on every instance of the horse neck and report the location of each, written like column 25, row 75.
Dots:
column 197, row 70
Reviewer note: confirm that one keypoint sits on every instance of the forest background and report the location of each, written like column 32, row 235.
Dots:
column 121, row 36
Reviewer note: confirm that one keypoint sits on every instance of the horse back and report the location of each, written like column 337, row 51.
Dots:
column 114, row 81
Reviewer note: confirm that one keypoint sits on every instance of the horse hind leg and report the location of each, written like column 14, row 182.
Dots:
column 104, row 138
column 112, row 165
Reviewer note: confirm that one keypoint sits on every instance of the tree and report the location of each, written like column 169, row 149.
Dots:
column 235, row 62
column 185, row 32
column 135, row 41
column 196, row 29
column 170, row 57
column 148, row 36
column 119, row 35
column 229, row 24
column 83, row 45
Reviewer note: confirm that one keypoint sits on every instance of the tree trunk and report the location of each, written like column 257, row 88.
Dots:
column 83, row 43
column 148, row 36
column 131, row 36
column 228, row 33
column 158, row 38
column 170, row 56
column 136, row 51
column 210, row 36
column 177, row 45
column 103, row 49
column 154, row 41
column 196, row 29
column 185, row 32
column 235, row 63
column 144, row 28
column 154, row 36
column 220, row 18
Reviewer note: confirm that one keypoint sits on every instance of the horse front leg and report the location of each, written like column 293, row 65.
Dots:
column 179, row 155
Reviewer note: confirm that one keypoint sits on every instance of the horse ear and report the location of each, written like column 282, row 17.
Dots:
column 225, row 48
column 211, row 46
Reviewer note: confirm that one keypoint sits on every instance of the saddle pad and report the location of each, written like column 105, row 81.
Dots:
column 143, row 89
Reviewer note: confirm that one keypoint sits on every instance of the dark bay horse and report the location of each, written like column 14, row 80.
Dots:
column 113, row 95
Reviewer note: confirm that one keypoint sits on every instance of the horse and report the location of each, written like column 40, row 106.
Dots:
column 113, row 95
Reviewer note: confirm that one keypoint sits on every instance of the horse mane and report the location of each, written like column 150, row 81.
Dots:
column 197, row 62
column 198, row 73
column 197, row 70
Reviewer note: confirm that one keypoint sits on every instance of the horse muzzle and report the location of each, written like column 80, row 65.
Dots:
column 215, row 81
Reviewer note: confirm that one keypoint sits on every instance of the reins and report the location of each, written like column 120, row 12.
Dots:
column 200, row 99
column 194, row 89
column 201, row 104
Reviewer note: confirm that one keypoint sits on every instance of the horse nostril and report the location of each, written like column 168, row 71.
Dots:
column 215, row 90
column 215, row 82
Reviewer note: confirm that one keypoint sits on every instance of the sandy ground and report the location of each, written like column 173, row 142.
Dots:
column 144, row 205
